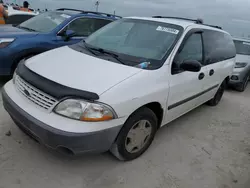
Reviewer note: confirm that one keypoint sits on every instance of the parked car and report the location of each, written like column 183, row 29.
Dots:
column 16, row 17
column 241, row 73
column 44, row 32
column 114, row 90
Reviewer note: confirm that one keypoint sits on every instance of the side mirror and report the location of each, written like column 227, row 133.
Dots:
column 191, row 65
column 67, row 34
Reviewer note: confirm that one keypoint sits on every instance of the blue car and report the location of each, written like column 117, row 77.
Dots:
column 45, row 32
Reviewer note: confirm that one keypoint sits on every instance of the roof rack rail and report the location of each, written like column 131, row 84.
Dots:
column 215, row 26
column 90, row 12
column 197, row 21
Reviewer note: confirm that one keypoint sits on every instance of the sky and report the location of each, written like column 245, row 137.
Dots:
column 232, row 15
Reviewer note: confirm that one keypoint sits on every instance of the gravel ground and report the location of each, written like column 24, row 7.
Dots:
column 207, row 148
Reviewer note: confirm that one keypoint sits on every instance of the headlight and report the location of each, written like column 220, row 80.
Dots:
column 240, row 65
column 4, row 42
column 85, row 111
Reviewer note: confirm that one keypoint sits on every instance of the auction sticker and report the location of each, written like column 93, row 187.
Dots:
column 65, row 16
column 167, row 29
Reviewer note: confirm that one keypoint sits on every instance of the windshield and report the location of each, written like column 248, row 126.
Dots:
column 45, row 22
column 141, row 39
column 242, row 47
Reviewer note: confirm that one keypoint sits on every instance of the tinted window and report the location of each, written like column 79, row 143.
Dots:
column 18, row 19
column 86, row 26
column 192, row 50
column 218, row 46
column 242, row 47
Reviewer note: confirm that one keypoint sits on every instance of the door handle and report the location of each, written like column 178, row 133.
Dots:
column 211, row 72
column 201, row 76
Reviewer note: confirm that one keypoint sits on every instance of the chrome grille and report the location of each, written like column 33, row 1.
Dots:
column 36, row 96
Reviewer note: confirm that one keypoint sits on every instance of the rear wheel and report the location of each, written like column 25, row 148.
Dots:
column 243, row 85
column 136, row 135
column 217, row 97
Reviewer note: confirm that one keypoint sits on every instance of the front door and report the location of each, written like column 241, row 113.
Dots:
column 186, row 87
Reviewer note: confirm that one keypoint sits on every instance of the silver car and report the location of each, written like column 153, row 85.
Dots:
column 241, row 74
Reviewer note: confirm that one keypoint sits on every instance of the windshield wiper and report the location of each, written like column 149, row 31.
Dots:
column 89, row 49
column 102, row 51
column 26, row 28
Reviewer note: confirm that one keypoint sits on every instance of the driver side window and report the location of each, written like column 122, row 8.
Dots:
column 192, row 50
column 83, row 27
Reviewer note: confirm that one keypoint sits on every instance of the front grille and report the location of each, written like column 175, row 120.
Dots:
column 33, row 94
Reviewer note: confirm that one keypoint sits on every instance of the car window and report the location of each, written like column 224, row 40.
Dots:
column 192, row 50
column 242, row 47
column 137, row 39
column 218, row 46
column 86, row 26
column 17, row 19
column 45, row 22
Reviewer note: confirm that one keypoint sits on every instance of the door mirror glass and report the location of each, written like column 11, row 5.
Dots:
column 191, row 65
column 67, row 34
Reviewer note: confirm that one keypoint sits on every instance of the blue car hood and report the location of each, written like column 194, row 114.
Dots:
column 10, row 31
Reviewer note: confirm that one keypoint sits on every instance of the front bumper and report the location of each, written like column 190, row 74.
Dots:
column 73, row 143
column 240, row 74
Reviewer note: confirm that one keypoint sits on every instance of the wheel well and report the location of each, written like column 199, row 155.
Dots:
column 227, row 79
column 157, row 109
column 14, row 65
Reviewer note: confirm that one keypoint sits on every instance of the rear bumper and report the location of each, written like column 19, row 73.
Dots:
column 73, row 143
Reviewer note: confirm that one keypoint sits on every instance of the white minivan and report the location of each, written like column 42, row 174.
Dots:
column 114, row 90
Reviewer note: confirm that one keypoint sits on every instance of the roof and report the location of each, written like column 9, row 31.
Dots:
column 90, row 13
column 179, row 21
column 242, row 39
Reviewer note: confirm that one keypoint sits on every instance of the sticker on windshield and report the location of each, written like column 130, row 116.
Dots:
column 246, row 43
column 65, row 16
column 168, row 30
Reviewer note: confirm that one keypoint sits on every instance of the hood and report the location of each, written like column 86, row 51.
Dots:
column 10, row 31
column 80, row 71
column 243, row 58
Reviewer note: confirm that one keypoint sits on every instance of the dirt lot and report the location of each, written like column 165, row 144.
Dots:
column 207, row 148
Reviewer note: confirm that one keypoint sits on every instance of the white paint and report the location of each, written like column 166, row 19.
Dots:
column 122, row 87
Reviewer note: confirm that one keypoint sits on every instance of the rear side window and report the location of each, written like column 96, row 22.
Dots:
column 218, row 46
column 18, row 19
column 242, row 47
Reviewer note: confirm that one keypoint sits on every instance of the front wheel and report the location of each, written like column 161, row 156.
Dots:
column 136, row 135
column 217, row 97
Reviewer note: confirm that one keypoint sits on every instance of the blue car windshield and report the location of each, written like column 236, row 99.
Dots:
column 137, row 38
column 45, row 22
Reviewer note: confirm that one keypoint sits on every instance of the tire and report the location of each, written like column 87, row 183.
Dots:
column 126, row 147
column 217, row 97
column 242, row 87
